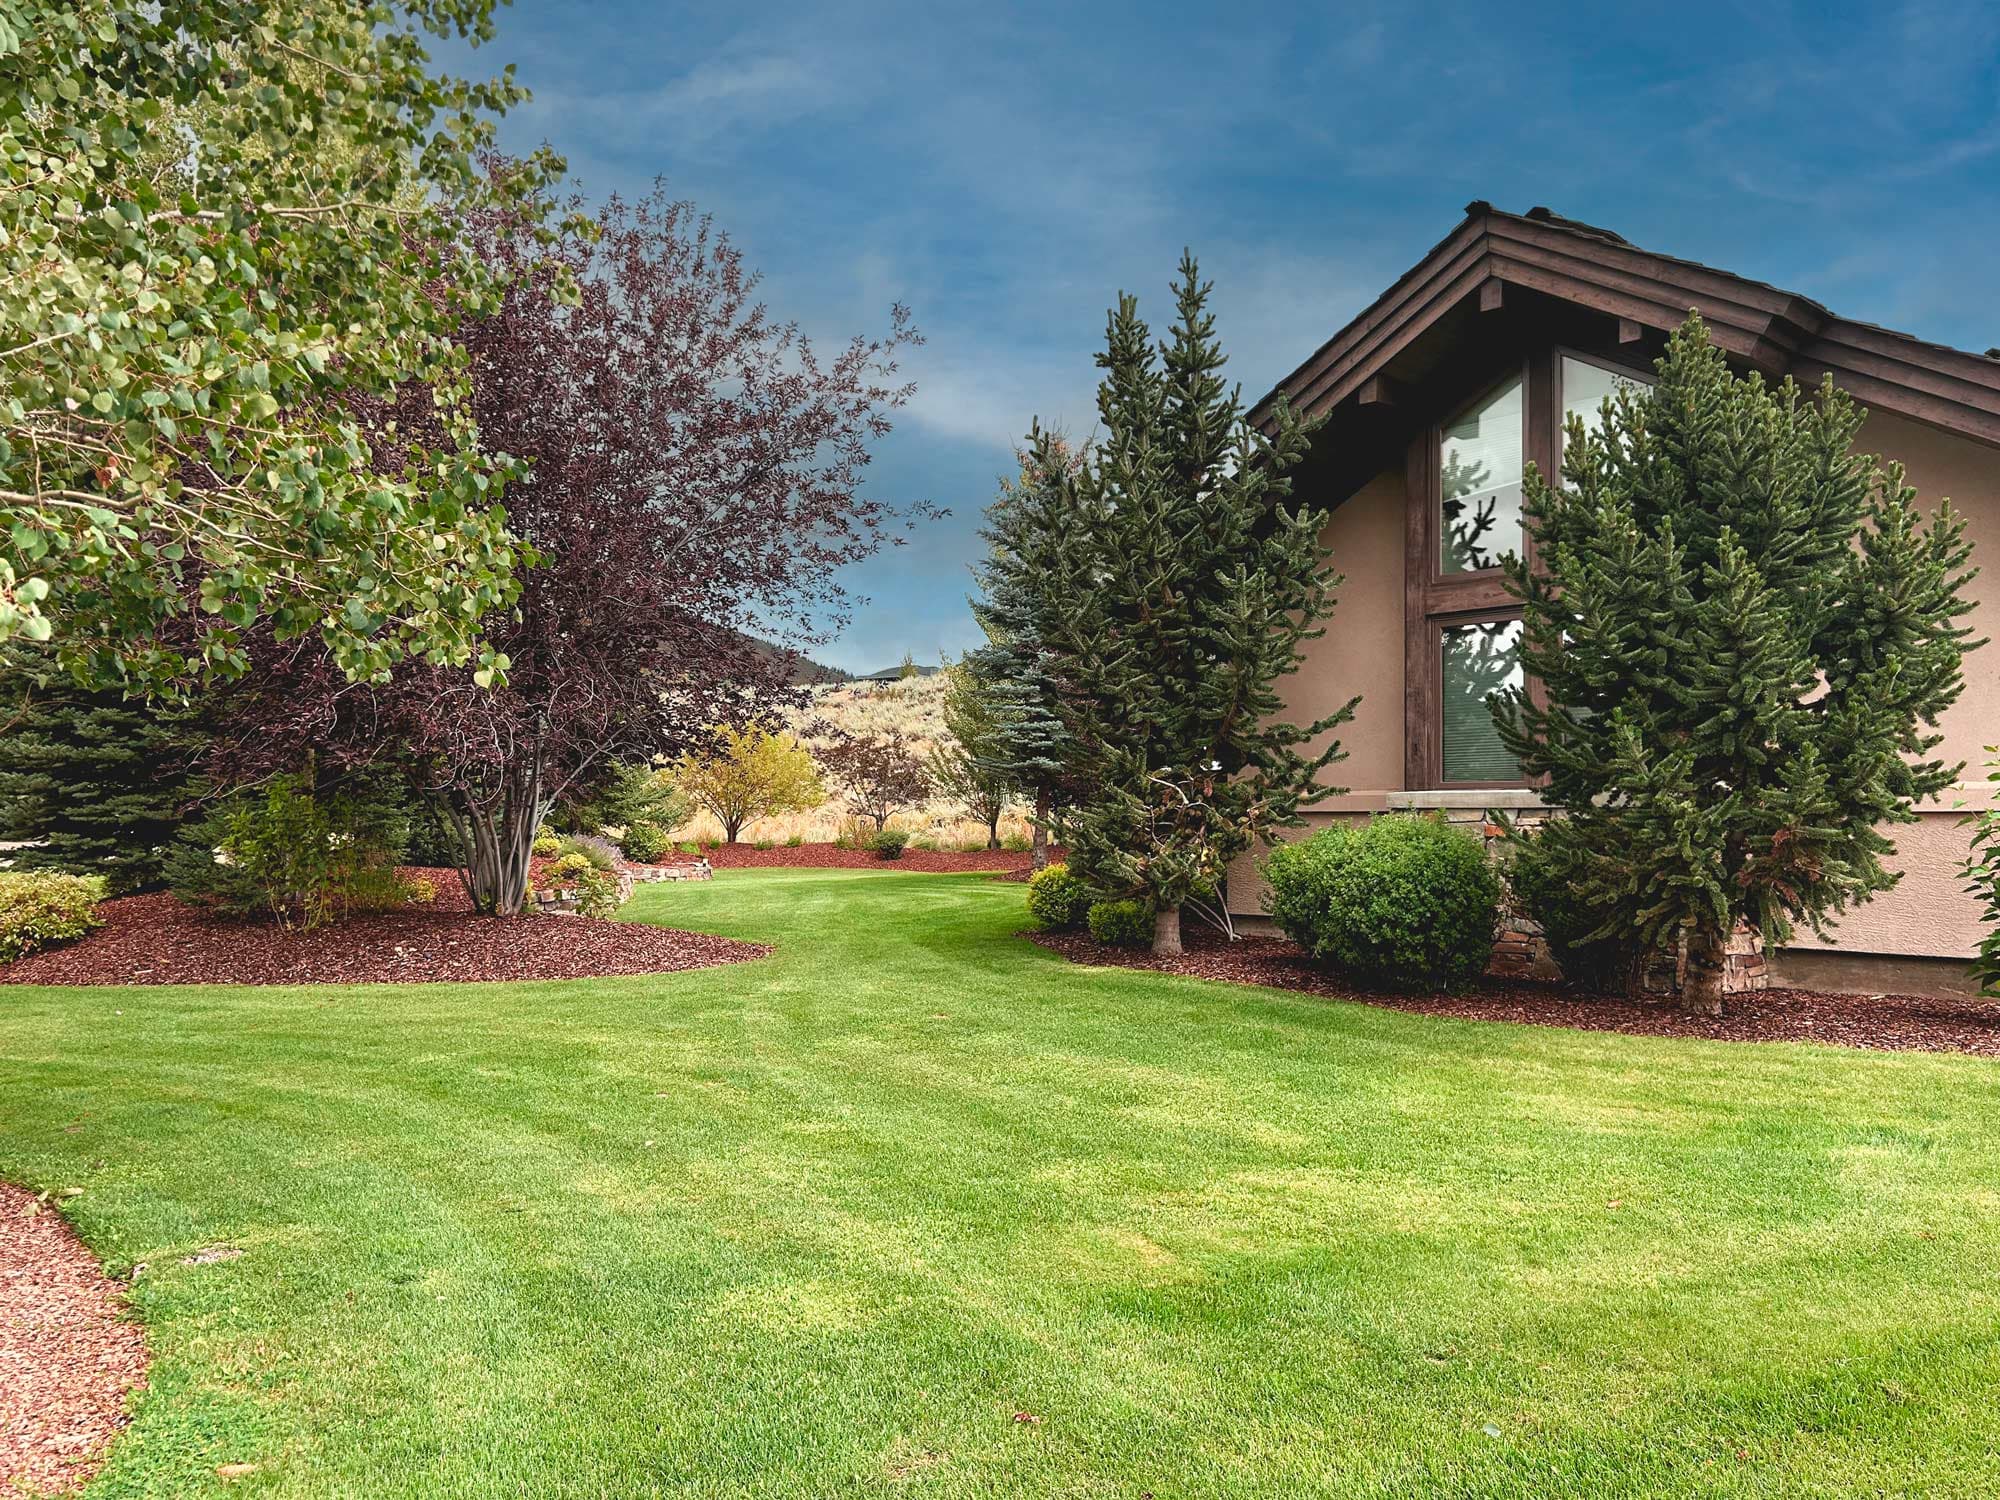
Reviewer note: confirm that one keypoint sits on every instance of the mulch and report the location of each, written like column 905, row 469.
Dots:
column 156, row 939
column 68, row 1354
column 1012, row 863
column 1896, row 1023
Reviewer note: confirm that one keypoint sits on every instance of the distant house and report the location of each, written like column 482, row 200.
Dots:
column 1436, row 395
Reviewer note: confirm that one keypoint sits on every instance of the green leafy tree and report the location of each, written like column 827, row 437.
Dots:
column 965, row 766
column 224, row 221
column 1747, row 632
column 1181, row 582
column 750, row 773
column 1982, row 879
column 91, row 782
column 1029, row 746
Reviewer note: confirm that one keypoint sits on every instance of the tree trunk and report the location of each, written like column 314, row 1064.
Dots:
column 1167, row 932
column 1706, row 956
column 1039, row 859
column 496, row 836
column 993, row 830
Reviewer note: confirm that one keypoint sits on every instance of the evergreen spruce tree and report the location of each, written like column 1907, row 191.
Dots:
column 1746, row 632
column 94, row 783
column 1180, row 584
column 1028, row 745
column 963, row 765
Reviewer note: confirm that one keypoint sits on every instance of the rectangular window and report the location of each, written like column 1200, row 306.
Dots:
column 1479, row 467
column 1479, row 660
column 1584, row 387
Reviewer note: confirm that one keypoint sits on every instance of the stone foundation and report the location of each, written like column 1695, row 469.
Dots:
column 700, row 869
column 1519, row 950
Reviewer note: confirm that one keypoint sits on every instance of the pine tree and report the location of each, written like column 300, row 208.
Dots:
column 1746, row 632
column 963, row 766
column 1029, row 747
column 91, row 783
column 1180, row 584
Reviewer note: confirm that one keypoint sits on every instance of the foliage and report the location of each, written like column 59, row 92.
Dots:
column 285, row 852
column 91, row 782
column 1180, row 581
column 1982, row 879
column 598, row 853
column 889, row 842
column 225, row 223
column 1747, row 632
column 624, row 793
column 1029, row 745
column 41, row 908
column 696, row 477
column 877, row 775
column 966, row 767
column 1544, row 883
column 546, row 846
column 750, row 773
column 1403, row 901
column 644, row 842
column 1057, row 900
column 1124, row 923
column 568, row 866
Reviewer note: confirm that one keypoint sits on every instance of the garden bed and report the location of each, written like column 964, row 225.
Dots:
column 156, row 939
column 832, row 857
column 68, row 1354
column 1900, row 1023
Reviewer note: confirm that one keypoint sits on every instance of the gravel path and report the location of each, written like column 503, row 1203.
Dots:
column 1897, row 1023
column 68, row 1356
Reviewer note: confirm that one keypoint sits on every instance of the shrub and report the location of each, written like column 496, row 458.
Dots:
column 596, row 894
column 286, row 852
column 1409, row 902
column 570, row 867
column 689, row 848
column 1017, row 843
column 1125, row 923
column 763, row 844
column 889, row 843
column 645, row 842
column 39, row 910
column 546, row 845
column 795, row 840
column 1545, row 889
column 1057, row 900
column 419, row 890
column 602, row 853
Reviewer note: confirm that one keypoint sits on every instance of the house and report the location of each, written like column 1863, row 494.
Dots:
column 1435, row 395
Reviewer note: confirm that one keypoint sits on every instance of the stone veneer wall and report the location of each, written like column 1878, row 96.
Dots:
column 564, row 899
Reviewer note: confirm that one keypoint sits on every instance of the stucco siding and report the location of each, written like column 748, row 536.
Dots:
column 1362, row 650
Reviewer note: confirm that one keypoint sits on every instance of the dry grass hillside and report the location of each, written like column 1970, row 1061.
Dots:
column 911, row 706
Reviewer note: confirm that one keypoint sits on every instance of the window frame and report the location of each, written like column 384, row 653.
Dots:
column 1434, row 599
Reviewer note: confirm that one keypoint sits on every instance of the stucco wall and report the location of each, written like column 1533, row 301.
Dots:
column 1362, row 650
column 1928, row 913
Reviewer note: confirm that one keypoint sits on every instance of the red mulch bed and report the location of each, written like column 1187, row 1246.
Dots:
column 1897, row 1023
column 155, row 939
column 826, row 857
column 68, row 1355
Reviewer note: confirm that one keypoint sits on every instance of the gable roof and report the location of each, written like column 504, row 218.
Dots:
column 1776, row 331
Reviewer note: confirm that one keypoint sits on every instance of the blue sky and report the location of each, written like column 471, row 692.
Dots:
column 1006, row 169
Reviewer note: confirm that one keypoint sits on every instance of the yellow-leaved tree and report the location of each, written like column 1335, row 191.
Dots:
column 751, row 773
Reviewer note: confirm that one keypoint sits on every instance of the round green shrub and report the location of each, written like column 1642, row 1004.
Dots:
column 1406, row 902
column 546, row 845
column 889, row 843
column 645, row 842
column 1057, row 900
column 1123, row 924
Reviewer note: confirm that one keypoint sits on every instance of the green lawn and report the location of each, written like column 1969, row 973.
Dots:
column 826, row 1223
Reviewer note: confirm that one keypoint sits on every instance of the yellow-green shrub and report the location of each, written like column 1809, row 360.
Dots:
column 39, row 909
